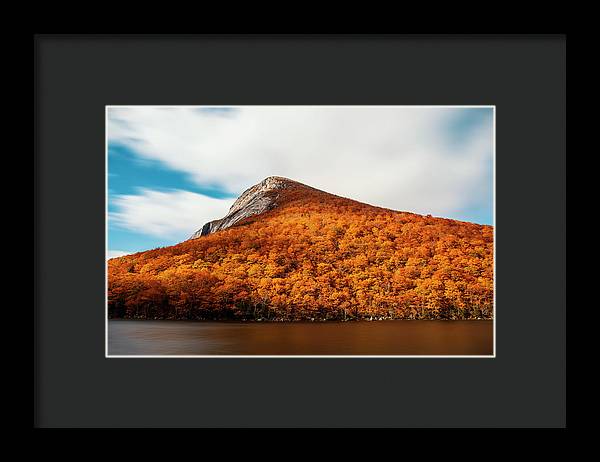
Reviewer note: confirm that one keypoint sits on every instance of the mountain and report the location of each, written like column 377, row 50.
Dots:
column 287, row 251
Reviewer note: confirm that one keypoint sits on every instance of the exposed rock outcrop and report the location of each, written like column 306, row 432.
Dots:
column 254, row 201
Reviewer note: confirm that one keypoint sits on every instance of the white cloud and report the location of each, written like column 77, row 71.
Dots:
column 173, row 214
column 396, row 157
column 116, row 253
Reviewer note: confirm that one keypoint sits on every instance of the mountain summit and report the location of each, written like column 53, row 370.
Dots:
column 254, row 201
column 287, row 251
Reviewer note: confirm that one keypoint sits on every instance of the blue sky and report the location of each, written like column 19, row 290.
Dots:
column 171, row 169
column 130, row 174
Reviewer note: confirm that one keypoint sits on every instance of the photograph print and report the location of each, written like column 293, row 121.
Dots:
column 300, row 231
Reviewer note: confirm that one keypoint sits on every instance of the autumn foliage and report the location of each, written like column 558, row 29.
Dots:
column 315, row 256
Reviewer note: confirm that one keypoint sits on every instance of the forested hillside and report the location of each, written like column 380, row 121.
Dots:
column 313, row 256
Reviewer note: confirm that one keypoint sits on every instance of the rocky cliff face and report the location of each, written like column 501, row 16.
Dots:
column 255, row 200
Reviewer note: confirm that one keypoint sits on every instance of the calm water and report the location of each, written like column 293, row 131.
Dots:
column 128, row 337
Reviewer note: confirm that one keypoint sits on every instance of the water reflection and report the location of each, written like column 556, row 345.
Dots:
column 127, row 337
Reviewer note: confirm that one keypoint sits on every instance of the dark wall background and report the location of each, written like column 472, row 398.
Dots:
column 524, row 386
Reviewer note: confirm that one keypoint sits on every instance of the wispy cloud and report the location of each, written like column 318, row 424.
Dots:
column 173, row 214
column 426, row 160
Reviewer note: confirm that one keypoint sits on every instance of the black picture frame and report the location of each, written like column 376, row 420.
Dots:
column 76, row 76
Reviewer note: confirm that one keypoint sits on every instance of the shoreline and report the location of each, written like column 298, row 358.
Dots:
column 289, row 321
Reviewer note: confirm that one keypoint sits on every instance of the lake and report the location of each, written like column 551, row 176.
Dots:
column 133, row 337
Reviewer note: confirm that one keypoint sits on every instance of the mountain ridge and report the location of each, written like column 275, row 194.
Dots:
column 253, row 201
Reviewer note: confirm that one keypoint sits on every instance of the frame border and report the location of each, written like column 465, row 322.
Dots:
column 74, row 78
